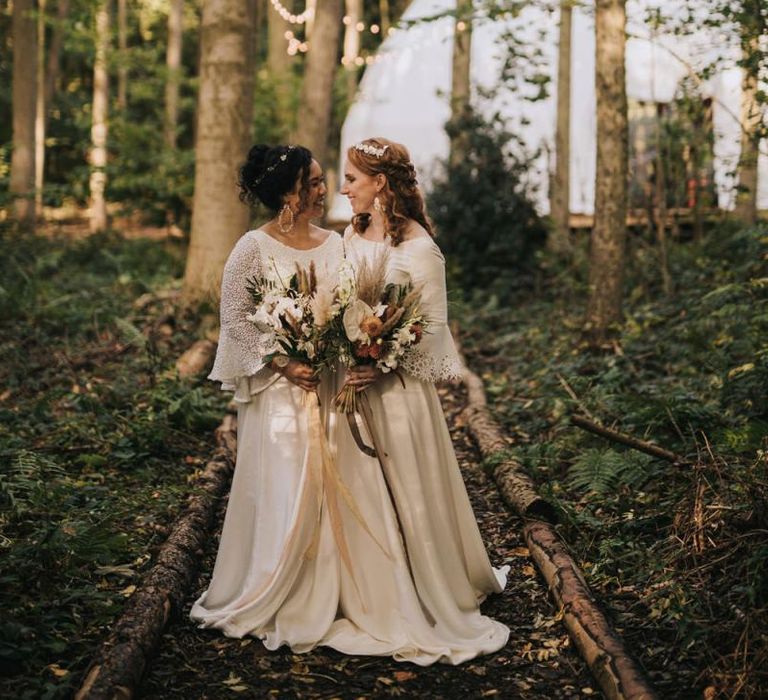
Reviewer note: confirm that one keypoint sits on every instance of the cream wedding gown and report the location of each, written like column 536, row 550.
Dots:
column 265, row 582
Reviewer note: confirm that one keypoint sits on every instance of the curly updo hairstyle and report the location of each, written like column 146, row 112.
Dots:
column 400, row 198
column 271, row 172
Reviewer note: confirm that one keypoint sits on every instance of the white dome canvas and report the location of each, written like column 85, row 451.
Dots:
column 403, row 95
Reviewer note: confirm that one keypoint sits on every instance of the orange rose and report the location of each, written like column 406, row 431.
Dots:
column 371, row 326
column 418, row 331
column 374, row 351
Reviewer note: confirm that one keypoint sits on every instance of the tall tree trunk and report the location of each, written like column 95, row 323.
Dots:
column 559, row 239
column 386, row 19
column 352, row 46
column 223, row 134
column 461, row 86
column 279, row 64
column 746, row 196
column 606, row 264
column 99, row 124
column 122, row 47
column 54, row 54
column 41, row 107
column 661, row 204
column 24, row 97
column 317, row 88
column 173, row 64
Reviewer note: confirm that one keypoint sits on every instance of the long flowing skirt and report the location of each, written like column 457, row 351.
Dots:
column 279, row 574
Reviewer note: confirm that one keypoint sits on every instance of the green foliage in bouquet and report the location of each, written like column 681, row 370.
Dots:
column 484, row 211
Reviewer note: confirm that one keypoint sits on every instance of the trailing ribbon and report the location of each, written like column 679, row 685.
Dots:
column 327, row 482
column 383, row 458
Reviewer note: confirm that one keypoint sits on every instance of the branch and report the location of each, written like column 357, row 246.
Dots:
column 625, row 439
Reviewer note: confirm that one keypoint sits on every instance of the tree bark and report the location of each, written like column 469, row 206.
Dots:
column 173, row 65
column 24, row 97
column 461, row 82
column 54, row 54
column 317, row 88
column 628, row 440
column 119, row 664
column 386, row 20
column 661, row 205
column 606, row 264
column 746, row 196
column 41, row 107
column 559, row 238
column 352, row 46
column 99, row 122
column 223, row 134
column 122, row 47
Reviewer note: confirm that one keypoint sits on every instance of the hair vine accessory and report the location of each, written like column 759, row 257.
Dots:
column 270, row 168
column 370, row 150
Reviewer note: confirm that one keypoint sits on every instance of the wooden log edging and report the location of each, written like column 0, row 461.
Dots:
column 119, row 664
column 616, row 672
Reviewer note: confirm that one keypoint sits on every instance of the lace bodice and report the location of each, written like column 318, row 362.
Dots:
column 242, row 347
column 420, row 262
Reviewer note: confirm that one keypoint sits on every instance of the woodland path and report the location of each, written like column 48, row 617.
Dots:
column 538, row 662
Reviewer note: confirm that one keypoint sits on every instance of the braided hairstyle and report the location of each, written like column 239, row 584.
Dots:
column 270, row 172
column 400, row 198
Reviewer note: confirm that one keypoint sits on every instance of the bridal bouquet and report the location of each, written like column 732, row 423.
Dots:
column 296, row 315
column 376, row 322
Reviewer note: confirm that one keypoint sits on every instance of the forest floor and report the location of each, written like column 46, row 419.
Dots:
column 100, row 444
column 538, row 662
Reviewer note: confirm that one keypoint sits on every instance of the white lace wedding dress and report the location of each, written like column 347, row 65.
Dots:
column 264, row 582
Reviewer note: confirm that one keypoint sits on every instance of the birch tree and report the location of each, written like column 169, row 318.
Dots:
column 173, row 66
column 99, row 122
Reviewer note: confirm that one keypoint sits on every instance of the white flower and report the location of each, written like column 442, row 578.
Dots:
column 404, row 336
column 264, row 320
column 353, row 317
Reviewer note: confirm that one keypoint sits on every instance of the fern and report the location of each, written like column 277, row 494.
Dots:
column 603, row 471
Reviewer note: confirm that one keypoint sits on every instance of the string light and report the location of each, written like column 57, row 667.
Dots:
column 289, row 16
column 374, row 29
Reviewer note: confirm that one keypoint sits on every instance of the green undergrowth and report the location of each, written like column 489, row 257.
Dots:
column 99, row 441
column 678, row 552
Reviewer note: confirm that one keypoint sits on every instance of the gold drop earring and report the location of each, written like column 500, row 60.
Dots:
column 285, row 228
column 377, row 204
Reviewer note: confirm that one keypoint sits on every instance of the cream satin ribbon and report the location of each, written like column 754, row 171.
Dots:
column 366, row 412
column 326, row 482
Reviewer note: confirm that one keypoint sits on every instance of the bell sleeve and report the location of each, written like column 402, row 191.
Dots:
column 239, row 363
column 434, row 358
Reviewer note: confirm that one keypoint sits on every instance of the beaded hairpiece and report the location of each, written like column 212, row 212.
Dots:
column 270, row 168
column 370, row 149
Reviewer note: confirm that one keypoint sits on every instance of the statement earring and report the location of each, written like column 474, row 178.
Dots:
column 377, row 205
column 285, row 227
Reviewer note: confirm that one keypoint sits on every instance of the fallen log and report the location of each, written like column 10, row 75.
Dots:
column 196, row 359
column 628, row 440
column 119, row 664
column 618, row 675
column 505, row 470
